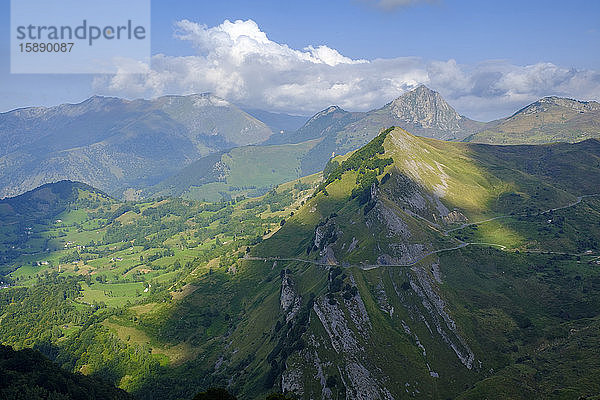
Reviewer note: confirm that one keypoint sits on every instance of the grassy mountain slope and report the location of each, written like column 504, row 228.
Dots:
column 551, row 119
column 25, row 215
column 85, row 271
column 115, row 144
column 452, row 318
column 248, row 171
column 417, row 268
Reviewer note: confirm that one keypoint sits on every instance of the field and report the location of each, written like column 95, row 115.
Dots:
column 124, row 250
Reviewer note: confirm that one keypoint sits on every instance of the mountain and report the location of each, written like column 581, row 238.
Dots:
column 407, row 293
column 22, row 215
column 424, row 112
column 324, row 123
column 307, row 150
column 50, row 199
column 421, row 111
column 551, row 119
column 413, row 267
column 115, row 144
column 27, row 374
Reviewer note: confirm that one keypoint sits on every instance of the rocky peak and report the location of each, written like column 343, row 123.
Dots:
column 331, row 111
column 426, row 108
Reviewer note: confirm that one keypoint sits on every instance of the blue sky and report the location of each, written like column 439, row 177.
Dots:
column 523, row 32
column 487, row 58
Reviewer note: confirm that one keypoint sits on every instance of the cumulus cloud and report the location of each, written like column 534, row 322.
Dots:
column 237, row 61
column 496, row 88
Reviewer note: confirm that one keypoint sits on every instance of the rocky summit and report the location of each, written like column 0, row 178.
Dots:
column 425, row 112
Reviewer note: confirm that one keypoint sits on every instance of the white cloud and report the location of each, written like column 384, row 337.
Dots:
column 497, row 88
column 238, row 62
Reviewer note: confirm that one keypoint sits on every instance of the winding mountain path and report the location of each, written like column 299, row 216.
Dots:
column 461, row 244
column 579, row 199
column 367, row 267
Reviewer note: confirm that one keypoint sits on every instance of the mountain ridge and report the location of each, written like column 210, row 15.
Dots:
column 115, row 144
column 549, row 119
column 153, row 141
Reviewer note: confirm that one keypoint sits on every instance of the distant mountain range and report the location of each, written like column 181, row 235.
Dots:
column 142, row 148
column 254, row 169
column 551, row 119
column 116, row 144
column 421, row 111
